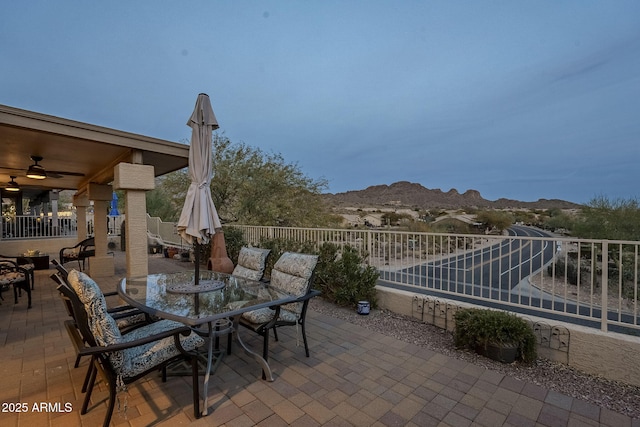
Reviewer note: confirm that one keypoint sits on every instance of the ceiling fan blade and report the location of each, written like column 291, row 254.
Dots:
column 11, row 169
column 65, row 173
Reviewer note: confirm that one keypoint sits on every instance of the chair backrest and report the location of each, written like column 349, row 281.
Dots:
column 78, row 311
column 102, row 325
column 87, row 247
column 64, row 273
column 293, row 274
column 86, row 243
column 251, row 263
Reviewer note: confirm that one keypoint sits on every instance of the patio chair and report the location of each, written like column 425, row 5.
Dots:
column 251, row 263
column 127, row 318
column 11, row 274
column 80, row 252
column 26, row 263
column 293, row 274
column 124, row 358
column 155, row 243
column 124, row 314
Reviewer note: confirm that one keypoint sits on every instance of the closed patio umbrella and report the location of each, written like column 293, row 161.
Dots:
column 199, row 218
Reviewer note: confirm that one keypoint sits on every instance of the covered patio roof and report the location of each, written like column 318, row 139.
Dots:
column 75, row 154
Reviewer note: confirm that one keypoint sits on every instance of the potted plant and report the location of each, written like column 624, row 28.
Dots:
column 499, row 335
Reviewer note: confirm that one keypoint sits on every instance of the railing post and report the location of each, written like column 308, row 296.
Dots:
column 605, row 286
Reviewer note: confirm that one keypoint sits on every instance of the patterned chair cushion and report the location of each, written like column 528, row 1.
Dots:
column 11, row 277
column 71, row 254
column 104, row 328
column 134, row 319
column 140, row 358
column 28, row 266
column 85, row 287
column 264, row 315
column 251, row 263
column 292, row 274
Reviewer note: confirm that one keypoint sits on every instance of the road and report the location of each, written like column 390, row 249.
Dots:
column 485, row 272
column 498, row 273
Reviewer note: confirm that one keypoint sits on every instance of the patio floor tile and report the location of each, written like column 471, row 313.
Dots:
column 353, row 377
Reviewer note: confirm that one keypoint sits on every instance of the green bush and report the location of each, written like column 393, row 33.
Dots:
column 343, row 277
column 479, row 328
column 341, row 274
column 234, row 241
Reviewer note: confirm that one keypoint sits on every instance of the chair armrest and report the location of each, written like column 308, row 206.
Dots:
column 129, row 310
column 306, row 297
column 135, row 343
column 8, row 261
column 13, row 266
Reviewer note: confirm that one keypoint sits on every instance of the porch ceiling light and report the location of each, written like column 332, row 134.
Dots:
column 12, row 185
column 35, row 170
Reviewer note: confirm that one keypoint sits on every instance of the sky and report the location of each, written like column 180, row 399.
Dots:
column 516, row 99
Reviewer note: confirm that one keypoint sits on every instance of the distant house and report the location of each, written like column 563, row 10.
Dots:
column 369, row 220
column 458, row 218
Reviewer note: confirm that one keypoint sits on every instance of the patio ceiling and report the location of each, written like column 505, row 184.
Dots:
column 80, row 153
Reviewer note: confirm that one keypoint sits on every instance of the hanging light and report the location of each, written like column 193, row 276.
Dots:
column 12, row 185
column 35, row 170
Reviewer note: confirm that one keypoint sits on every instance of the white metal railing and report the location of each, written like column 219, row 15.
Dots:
column 21, row 227
column 533, row 272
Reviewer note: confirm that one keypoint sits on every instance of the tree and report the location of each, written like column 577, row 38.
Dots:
column 602, row 218
column 162, row 205
column 495, row 219
column 254, row 188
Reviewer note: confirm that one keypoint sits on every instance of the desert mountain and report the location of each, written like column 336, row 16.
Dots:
column 413, row 195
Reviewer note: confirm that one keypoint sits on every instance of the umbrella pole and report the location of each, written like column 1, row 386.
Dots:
column 197, row 259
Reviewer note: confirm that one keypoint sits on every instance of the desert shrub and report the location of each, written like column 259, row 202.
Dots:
column 569, row 268
column 234, row 241
column 480, row 327
column 343, row 277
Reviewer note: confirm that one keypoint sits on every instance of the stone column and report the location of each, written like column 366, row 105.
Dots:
column 55, row 225
column 136, row 180
column 81, row 202
column 101, row 265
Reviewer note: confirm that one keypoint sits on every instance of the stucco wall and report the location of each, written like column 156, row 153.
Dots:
column 49, row 246
column 610, row 355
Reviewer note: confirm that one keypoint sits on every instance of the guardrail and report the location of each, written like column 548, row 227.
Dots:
column 590, row 282
column 21, row 227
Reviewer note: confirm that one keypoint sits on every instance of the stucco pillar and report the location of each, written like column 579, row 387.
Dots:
column 100, row 265
column 81, row 202
column 136, row 180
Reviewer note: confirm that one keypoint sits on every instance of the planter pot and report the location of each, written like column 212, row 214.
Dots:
column 505, row 353
column 363, row 307
column 171, row 252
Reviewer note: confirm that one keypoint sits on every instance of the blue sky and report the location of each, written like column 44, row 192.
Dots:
column 515, row 99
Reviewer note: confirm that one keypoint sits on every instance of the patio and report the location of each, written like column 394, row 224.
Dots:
column 353, row 377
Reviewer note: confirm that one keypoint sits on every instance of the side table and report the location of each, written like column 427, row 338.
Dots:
column 40, row 262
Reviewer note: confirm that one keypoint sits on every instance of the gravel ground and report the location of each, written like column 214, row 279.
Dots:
column 614, row 395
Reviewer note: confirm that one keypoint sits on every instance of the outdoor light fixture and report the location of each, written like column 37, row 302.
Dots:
column 35, row 170
column 12, row 185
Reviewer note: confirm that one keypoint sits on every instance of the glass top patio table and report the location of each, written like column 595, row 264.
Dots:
column 152, row 294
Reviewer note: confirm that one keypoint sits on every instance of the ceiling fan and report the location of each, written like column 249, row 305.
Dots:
column 37, row 171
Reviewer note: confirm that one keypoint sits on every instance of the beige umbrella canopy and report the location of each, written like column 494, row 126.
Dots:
column 199, row 219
